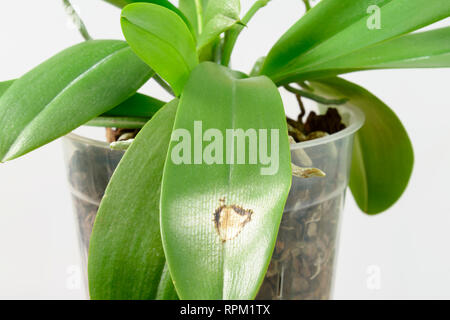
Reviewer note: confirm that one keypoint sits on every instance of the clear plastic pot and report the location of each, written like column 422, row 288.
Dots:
column 303, row 263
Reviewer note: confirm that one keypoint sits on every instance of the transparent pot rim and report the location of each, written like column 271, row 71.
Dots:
column 356, row 121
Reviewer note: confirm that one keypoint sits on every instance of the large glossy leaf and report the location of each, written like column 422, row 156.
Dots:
column 219, row 17
column 65, row 92
column 126, row 258
column 430, row 49
column 161, row 38
column 219, row 222
column 334, row 28
column 138, row 105
column 383, row 156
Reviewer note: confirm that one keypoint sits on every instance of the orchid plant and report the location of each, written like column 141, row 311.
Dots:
column 167, row 231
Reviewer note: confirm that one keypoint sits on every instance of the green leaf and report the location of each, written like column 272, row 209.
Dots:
column 216, row 26
column 430, row 49
column 126, row 258
column 161, row 39
column 232, row 265
column 138, row 105
column 65, row 92
column 383, row 157
column 5, row 85
column 121, row 3
column 233, row 34
column 163, row 3
column 334, row 28
column 230, row 8
column 210, row 19
column 220, row 16
column 193, row 10
column 166, row 289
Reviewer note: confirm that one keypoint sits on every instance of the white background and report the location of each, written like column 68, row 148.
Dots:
column 408, row 245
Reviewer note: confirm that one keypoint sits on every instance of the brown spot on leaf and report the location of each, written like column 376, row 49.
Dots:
column 230, row 220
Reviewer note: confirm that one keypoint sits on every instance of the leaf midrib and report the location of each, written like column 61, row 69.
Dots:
column 230, row 172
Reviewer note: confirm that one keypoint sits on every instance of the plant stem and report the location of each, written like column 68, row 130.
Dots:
column 199, row 12
column 118, row 122
column 315, row 97
column 163, row 84
column 76, row 20
column 232, row 35
column 307, row 5
column 302, row 107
